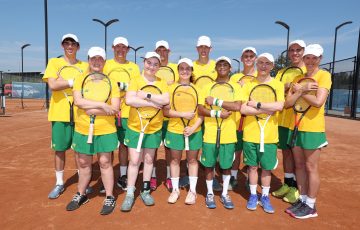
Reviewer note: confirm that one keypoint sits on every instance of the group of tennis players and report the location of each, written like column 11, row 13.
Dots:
column 225, row 121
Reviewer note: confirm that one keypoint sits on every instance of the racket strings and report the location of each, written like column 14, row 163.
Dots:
column 148, row 112
column 263, row 94
column 67, row 73
column 201, row 81
column 185, row 100
column 166, row 74
column 96, row 88
column 301, row 105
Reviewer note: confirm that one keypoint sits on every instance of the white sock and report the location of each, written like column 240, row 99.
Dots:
column 123, row 170
column 234, row 173
column 253, row 189
column 130, row 190
column 289, row 175
column 153, row 172
column 226, row 180
column 193, row 182
column 168, row 172
column 59, row 177
column 175, row 183
column 311, row 202
column 303, row 198
column 265, row 191
column 209, row 185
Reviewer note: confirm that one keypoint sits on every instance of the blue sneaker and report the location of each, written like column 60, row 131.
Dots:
column 226, row 200
column 147, row 198
column 252, row 202
column 265, row 203
column 209, row 201
column 128, row 203
column 56, row 192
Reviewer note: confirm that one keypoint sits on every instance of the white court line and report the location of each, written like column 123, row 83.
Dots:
column 12, row 147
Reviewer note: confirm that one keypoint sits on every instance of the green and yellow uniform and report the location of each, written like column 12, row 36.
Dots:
column 204, row 70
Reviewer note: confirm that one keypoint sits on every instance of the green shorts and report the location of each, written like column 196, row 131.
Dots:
column 121, row 130
column 101, row 144
column 177, row 141
column 253, row 156
column 150, row 141
column 309, row 140
column 164, row 129
column 239, row 143
column 210, row 155
column 283, row 137
column 61, row 135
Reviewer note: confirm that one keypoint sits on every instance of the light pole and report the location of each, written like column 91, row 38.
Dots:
column 46, row 52
column 287, row 27
column 238, row 64
column 135, row 50
column 333, row 62
column 106, row 24
column 22, row 74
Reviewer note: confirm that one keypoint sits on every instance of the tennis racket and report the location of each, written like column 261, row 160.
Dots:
column 262, row 93
column 67, row 73
column 167, row 74
column 223, row 91
column 95, row 87
column 146, row 114
column 122, row 77
column 300, row 108
column 290, row 73
column 245, row 79
column 203, row 80
column 185, row 99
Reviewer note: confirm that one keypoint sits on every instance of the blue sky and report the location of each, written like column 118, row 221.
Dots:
column 231, row 24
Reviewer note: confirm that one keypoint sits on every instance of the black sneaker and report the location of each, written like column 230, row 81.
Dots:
column 122, row 182
column 290, row 210
column 305, row 212
column 109, row 205
column 102, row 189
column 77, row 201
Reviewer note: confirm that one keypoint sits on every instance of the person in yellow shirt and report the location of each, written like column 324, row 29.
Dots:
column 163, row 49
column 248, row 58
column 174, row 138
column 211, row 151
column 105, row 139
column 121, row 48
column 311, row 136
column 59, row 110
column 135, row 98
column 253, row 157
column 288, row 191
column 204, row 66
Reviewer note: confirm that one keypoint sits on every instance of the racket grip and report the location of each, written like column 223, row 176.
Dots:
column 241, row 123
column 262, row 136
column 71, row 116
column 218, row 138
column 187, row 147
column 119, row 119
column 91, row 134
column 293, row 137
column 141, row 137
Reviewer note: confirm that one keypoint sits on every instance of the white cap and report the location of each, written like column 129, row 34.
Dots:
column 249, row 48
column 120, row 40
column 152, row 54
column 97, row 51
column 223, row 58
column 73, row 36
column 162, row 43
column 314, row 49
column 267, row 56
column 299, row 42
column 186, row 60
column 204, row 41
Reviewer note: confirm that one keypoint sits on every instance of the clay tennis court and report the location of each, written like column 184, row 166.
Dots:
column 27, row 176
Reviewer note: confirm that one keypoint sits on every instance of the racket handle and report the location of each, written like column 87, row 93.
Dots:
column 293, row 137
column 91, row 133
column 141, row 137
column 187, row 147
column 218, row 138
column 119, row 119
column 71, row 116
column 241, row 123
column 262, row 136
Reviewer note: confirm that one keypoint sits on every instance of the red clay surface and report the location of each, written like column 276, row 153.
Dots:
column 27, row 176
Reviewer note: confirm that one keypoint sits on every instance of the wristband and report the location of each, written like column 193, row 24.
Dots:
column 219, row 103
column 71, row 82
column 215, row 101
column 125, row 86
column 212, row 113
column 218, row 113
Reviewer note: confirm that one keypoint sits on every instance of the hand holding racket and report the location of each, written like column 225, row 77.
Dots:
column 69, row 73
column 262, row 93
column 146, row 114
column 301, row 106
column 167, row 74
column 96, row 87
column 185, row 100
